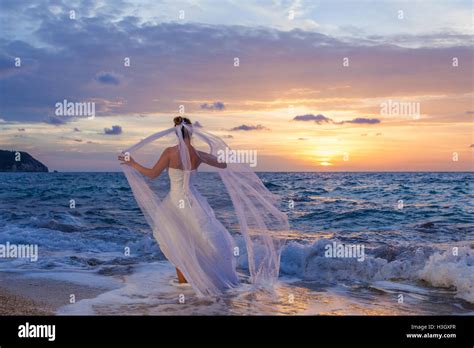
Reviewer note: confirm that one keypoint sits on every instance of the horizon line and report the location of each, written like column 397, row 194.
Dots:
column 279, row 171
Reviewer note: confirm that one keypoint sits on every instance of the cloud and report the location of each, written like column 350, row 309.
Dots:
column 115, row 130
column 108, row 78
column 57, row 62
column 77, row 140
column 214, row 106
column 439, row 39
column 361, row 120
column 320, row 119
column 55, row 120
column 245, row 127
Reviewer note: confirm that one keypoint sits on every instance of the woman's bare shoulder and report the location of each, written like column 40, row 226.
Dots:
column 171, row 149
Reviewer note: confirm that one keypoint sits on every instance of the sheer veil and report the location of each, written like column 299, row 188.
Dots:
column 261, row 224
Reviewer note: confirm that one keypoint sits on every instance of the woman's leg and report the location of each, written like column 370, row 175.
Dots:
column 181, row 277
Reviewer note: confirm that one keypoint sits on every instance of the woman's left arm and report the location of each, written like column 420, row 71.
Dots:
column 211, row 160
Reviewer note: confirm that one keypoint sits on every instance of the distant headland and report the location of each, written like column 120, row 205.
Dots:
column 20, row 161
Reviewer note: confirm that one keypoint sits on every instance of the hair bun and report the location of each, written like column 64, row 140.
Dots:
column 178, row 120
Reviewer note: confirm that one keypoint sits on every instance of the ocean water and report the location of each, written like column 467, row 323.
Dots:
column 416, row 230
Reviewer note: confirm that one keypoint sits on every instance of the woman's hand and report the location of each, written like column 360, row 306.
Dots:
column 126, row 159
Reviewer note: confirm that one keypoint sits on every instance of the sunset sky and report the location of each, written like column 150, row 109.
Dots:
column 309, row 92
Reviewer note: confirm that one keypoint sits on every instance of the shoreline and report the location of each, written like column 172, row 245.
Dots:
column 28, row 295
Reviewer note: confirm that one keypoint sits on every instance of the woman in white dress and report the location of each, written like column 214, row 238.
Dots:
column 184, row 224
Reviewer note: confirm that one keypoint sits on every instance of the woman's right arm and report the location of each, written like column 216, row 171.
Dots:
column 152, row 173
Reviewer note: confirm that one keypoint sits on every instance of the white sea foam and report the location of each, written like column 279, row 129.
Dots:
column 449, row 270
column 308, row 261
column 148, row 287
column 439, row 269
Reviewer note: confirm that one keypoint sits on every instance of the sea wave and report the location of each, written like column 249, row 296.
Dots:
column 436, row 267
column 450, row 269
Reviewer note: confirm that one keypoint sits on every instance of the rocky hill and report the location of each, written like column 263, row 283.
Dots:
column 13, row 161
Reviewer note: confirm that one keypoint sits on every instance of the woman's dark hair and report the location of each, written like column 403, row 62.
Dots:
column 179, row 120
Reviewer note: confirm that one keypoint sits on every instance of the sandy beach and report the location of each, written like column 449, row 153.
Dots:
column 12, row 304
column 21, row 295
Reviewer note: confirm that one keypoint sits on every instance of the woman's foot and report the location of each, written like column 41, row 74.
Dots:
column 181, row 278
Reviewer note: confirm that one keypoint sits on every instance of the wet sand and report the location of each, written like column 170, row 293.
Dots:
column 21, row 295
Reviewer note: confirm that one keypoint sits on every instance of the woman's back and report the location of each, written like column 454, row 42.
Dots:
column 175, row 158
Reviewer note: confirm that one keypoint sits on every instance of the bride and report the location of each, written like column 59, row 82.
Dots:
column 184, row 224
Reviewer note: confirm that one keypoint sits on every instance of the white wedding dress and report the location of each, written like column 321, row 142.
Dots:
column 189, row 233
column 193, row 239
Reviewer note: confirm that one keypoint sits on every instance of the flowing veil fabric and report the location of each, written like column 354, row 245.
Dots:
column 261, row 224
